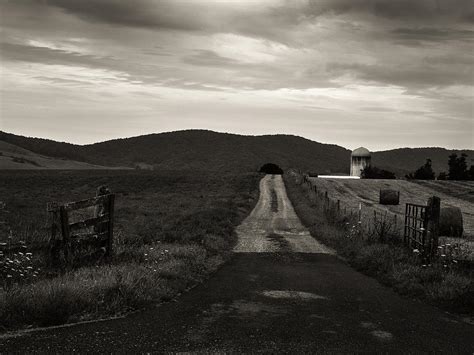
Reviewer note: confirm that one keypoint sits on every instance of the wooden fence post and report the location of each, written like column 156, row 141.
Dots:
column 106, row 208
column 110, row 241
column 63, row 215
column 432, row 217
column 55, row 241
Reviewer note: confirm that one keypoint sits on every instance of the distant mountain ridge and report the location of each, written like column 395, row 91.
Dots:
column 405, row 160
column 208, row 150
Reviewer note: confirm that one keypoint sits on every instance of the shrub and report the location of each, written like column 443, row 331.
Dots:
column 389, row 197
column 372, row 172
column 424, row 172
column 451, row 222
column 271, row 168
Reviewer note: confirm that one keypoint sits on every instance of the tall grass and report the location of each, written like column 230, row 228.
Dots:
column 172, row 230
column 445, row 284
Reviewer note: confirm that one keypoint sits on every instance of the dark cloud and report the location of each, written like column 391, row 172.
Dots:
column 49, row 56
column 415, row 76
column 378, row 109
column 433, row 34
column 66, row 82
column 210, row 58
column 140, row 13
column 349, row 54
column 44, row 55
column 396, row 9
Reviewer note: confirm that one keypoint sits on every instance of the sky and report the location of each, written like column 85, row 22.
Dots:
column 376, row 73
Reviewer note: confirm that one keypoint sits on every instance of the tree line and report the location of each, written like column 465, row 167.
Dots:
column 457, row 170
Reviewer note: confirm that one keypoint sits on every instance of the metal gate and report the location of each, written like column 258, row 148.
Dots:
column 422, row 226
column 415, row 226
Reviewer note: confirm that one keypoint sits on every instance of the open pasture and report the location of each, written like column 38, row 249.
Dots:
column 150, row 206
column 366, row 191
column 170, row 230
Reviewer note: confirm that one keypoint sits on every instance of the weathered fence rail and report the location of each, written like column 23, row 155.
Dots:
column 69, row 236
column 415, row 226
column 422, row 226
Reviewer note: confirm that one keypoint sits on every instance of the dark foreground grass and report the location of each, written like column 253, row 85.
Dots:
column 172, row 229
column 448, row 286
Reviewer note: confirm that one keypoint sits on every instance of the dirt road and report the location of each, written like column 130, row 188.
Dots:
column 282, row 293
column 273, row 224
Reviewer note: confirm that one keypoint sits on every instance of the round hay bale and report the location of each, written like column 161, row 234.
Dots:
column 389, row 197
column 450, row 222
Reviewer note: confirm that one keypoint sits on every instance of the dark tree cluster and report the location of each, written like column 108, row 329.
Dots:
column 424, row 172
column 270, row 168
column 372, row 172
column 457, row 170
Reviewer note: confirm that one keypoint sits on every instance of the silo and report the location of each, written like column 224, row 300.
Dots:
column 360, row 158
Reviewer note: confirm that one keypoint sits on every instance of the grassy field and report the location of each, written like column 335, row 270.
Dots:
column 171, row 230
column 352, row 192
column 443, row 282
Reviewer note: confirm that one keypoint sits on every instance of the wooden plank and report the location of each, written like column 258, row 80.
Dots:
column 405, row 231
column 71, row 206
column 111, row 207
column 96, row 243
column 89, row 222
column 93, row 235
column 63, row 213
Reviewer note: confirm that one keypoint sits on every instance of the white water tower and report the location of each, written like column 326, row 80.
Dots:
column 360, row 158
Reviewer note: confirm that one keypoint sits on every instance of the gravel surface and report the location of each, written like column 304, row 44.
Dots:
column 274, row 216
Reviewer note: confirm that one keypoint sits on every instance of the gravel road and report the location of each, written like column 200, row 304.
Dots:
column 273, row 224
column 282, row 292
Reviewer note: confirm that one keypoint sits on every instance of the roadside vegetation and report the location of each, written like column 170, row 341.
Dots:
column 444, row 282
column 171, row 230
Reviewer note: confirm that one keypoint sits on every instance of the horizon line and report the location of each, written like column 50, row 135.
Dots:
column 230, row 133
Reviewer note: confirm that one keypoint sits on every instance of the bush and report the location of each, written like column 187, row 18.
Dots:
column 425, row 172
column 372, row 172
column 389, row 197
column 272, row 169
column 451, row 222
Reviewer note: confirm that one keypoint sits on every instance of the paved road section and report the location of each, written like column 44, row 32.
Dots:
column 270, row 298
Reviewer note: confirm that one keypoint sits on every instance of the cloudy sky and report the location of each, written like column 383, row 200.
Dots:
column 378, row 73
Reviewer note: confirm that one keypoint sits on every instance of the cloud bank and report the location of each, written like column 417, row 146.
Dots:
column 380, row 73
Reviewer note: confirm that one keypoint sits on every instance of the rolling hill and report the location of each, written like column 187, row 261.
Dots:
column 197, row 150
column 208, row 150
column 14, row 157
